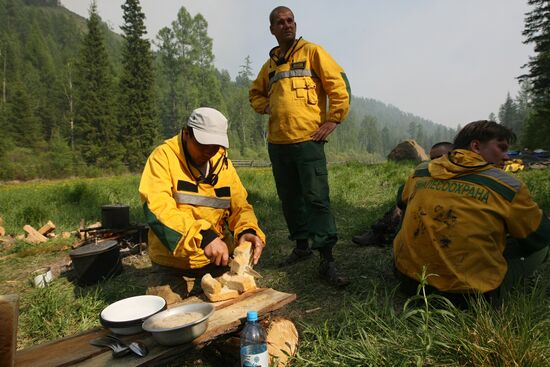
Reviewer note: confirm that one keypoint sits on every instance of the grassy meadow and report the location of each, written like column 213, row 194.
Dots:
column 368, row 324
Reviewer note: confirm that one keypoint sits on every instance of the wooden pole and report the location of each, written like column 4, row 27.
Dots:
column 9, row 313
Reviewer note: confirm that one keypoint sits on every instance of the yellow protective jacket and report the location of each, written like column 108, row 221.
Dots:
column 181, row 211
column 296, row 92
column 459, row 210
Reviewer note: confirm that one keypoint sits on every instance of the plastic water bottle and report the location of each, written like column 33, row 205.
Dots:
column 253, row 343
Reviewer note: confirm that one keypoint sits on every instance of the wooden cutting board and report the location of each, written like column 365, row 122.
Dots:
column 76, row 350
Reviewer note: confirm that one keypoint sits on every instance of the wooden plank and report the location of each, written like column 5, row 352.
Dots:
column 231, row 316
column 228, row 317
column 63, row 352
column 46, row 228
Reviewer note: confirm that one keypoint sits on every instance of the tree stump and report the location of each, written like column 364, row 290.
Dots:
column 282, row 343
column 282, row 340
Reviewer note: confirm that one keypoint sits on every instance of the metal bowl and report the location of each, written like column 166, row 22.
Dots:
column 182, row 333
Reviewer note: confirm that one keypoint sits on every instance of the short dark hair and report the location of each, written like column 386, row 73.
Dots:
column 274, row 12
column 446, row 144
column 483, row 130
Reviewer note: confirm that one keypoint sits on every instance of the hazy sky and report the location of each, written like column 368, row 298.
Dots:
column 451, row 61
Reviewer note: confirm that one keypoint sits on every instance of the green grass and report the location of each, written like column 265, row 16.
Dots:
column 365, row 325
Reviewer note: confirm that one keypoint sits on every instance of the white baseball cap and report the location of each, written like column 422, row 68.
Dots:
column 209, row 126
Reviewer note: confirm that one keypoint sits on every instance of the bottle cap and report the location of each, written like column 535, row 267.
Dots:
column 252, row 316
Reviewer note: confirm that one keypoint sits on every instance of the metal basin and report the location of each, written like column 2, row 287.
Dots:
column 181, row 333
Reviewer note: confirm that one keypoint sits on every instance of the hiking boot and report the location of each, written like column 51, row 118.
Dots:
column 329, row 273
column 369, row 238
column 296, row 256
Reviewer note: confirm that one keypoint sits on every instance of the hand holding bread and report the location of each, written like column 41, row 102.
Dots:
column 237, row 280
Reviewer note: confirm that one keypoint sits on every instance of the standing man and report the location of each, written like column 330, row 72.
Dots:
column 460, row 210
column 292, row 88
column 191, row 193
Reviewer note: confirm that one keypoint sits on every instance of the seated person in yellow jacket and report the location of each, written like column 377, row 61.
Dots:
column 460, row 208
column 384, row 230
column 191, row 194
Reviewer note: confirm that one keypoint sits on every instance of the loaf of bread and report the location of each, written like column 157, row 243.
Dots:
column 242, row 283
column 235, row 281
column 241, row 258
column 215, row 291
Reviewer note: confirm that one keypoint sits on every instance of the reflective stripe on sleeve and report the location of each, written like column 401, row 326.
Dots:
column 502, row 177
column 202, row 201
column 290, row 74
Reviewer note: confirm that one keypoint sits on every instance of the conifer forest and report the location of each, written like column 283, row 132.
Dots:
column 80, row 99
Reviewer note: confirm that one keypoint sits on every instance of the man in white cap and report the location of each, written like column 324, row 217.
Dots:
column 191, row 196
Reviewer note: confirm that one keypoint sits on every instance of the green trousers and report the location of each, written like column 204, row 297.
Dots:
column 301, row 177
column 520, row 265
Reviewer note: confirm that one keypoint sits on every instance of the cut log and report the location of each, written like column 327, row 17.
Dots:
column 9, row 313
column 2, row 231
column 33, row 235
column 282, row 341
column 65, row 235
column 46, row 228
column 20, row 237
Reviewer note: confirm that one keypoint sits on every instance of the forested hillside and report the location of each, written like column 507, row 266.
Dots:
column 69, row 87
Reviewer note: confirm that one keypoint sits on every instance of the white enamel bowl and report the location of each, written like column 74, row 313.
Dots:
column 126, row 316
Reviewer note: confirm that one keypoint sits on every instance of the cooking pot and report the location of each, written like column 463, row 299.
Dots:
column 115, row 216
column 96, row 261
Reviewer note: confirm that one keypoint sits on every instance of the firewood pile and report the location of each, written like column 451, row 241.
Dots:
column 132, row 239
column 32, row 235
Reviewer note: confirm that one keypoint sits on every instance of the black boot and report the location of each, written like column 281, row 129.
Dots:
column 369, row 238
column 329, row 273
column 300, row 253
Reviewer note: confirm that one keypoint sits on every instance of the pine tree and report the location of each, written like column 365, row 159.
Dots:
column 188, row 78
column 537, row 32
column 372, row 137
column 241, row 116
column 202, row 43
column 139, row 127
column 386, row 141
column 168, row 72
column 244, row 77
column 508, row 114
column 22, row 125
column 412, row 130
column 96, row 130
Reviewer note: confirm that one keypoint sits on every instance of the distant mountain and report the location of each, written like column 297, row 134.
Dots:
column 40, row 46
column 399, row 123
